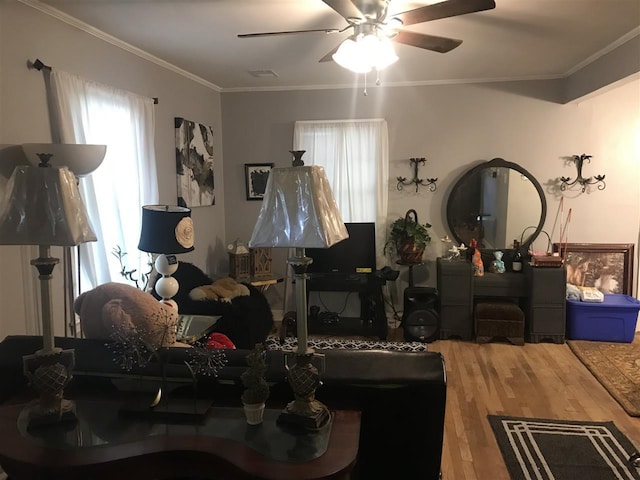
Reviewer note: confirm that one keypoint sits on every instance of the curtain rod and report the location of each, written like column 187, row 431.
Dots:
column 38, row 65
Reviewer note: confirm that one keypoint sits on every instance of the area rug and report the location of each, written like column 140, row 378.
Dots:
column 563, row 450
column 617, row 368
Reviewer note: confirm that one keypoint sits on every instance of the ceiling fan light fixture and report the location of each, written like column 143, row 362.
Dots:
column 365, row 53
column 347, row 56
column 385, row 54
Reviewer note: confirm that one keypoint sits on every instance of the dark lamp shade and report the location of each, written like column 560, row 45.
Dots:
column 42, row 206
column 298, row 211
column 166, row 229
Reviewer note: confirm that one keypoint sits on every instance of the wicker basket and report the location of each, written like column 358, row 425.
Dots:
column 408, row 251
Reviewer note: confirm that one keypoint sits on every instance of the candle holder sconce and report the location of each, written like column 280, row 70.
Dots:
column 430, row 183
column 566, row 182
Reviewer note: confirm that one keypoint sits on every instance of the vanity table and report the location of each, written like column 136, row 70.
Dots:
column 540, row 293
column 495, row 203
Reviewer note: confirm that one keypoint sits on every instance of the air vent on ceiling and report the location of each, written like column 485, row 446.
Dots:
column 263, row 73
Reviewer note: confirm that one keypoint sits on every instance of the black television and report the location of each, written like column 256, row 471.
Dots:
column 356, row 254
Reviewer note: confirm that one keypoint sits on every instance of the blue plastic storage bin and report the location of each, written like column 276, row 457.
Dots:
column 613, row 320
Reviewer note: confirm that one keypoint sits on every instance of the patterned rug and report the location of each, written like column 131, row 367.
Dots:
column 563, row 450
column 350, row 343
column 617, row 368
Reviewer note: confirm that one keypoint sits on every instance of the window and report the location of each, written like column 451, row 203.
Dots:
column 89, row 112
column 355, row 156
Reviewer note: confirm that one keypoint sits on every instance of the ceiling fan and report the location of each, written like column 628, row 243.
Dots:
column 368, row 19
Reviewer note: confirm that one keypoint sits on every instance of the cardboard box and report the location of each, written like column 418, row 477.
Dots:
column 613, row 320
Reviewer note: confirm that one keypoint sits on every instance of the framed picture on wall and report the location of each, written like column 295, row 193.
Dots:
column 194, row 163
column 255, row 177
column 606, row 266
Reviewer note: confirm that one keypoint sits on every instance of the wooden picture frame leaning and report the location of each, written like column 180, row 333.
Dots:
column 606, row 266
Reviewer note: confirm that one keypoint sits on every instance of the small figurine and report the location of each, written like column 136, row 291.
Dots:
column 476, row 260
column 453, row 254
column 497, row 266
column 446, row 245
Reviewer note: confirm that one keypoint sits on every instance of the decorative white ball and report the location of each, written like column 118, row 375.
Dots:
column 163, row 266
column 167, row 287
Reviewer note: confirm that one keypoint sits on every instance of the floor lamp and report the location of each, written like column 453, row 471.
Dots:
column 299, row 211
column 82, row 160
column 42, row 206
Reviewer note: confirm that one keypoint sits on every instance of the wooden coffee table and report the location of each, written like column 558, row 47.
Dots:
column 104, row 445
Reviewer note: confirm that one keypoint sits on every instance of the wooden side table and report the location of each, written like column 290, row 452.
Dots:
column 262, row 283
column 103, row 445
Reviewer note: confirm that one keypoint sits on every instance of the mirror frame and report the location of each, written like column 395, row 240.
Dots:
column 500, row 162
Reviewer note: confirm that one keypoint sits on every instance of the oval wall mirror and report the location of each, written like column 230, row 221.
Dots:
column 496, row 202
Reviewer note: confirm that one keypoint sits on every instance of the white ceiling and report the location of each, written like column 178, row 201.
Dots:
column 519, row 39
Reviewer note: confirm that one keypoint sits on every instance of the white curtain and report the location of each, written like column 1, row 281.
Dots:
column 355, row 156
column 88, row 112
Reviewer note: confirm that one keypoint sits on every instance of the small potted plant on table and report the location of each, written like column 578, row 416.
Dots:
column 256, row 387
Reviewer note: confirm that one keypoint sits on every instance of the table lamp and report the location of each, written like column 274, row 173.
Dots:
column 298, row 211
column 42, row 206
column 166, row 230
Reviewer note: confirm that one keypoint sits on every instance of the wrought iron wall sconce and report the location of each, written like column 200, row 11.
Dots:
column 430, row 183
column 584, row 182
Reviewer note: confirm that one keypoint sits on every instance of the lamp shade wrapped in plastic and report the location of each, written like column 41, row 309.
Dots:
column 166, row 229
column 298, row 211
column 42, row 206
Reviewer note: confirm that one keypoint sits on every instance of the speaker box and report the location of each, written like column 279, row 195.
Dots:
column 420, row 319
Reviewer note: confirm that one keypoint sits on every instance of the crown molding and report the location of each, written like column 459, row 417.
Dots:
column 609, row 48
column 53, row 12
column 74, row 22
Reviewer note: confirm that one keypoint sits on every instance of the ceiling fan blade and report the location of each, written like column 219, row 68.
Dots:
column 448, row 8
column 428, row 42
column 288, row 32
column 329, row 56
column 346, row 8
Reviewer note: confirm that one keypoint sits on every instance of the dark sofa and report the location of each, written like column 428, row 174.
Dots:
column 401, row 394
column 246, row 320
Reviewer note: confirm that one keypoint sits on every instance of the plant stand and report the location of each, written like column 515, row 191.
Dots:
column 410, row 265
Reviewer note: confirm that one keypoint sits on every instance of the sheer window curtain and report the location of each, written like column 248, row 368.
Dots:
column 89, row 112
column 355, row 156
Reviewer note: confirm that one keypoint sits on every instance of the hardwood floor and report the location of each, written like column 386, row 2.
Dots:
column 541, row 380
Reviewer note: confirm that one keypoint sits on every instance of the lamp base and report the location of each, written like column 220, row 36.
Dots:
column 170, row 409
column 305, row 411
column 312, row 420
column 40, row 417
column 167, row 286
column 49, row 371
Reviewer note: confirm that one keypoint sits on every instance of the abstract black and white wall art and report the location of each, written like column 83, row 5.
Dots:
column 194, row 163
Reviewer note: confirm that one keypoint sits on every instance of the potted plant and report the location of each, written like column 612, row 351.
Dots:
column 256, row 387
column 408, row 238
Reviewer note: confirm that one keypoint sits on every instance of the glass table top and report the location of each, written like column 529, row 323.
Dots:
column 101, row 422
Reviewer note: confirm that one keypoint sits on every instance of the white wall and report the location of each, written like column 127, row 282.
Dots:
column 455, row 127
column 27, row 34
